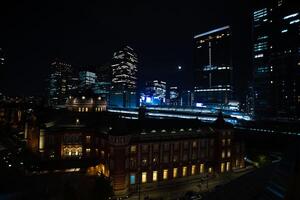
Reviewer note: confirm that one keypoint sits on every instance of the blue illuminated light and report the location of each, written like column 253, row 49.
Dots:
column 132, row 179
column 284, row 31
column 290, row 16
column 148, row 100
column 199, row 104
column 295, row 21
column 212, row 31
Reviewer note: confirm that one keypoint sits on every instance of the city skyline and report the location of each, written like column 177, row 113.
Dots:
column 144, row 100
column 162, row 36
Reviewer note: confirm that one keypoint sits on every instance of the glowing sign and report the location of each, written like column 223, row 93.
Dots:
column 148, row 99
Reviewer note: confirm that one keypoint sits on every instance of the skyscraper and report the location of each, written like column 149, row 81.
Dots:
column 2, row 69
column 2, row 59
column 213, row 66
column 154, row 93
column 276, row 58
column 59, row 83
column 174, row 96
column 103, row 82
column 124, row 78
column 87, row 79
column 187, row 98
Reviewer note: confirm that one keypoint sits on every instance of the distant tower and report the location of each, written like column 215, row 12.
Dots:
column 124, row 78
column 174, row 96
column 155, row 91
column 59, row 83
column 87, row 79
column 2, row 58
column 2, row 69
column 103, row 82
column 213, row 66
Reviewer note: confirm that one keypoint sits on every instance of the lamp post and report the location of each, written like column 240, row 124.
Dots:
column 139, row 182
column 207, row 181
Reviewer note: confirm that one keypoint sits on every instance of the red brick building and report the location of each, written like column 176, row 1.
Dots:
column 139, row 155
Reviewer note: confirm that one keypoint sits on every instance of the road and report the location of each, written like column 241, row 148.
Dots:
column 177, row 190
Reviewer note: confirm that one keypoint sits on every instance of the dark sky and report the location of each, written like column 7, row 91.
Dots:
column 33, row 34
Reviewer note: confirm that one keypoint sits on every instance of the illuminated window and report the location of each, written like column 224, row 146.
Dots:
column 144, row 161
column 154, row 177
column 132, row 179
column 86, row 109
column 227, row 166
column 201, row 168
column 165, row 174
column 88, row 139
column 184, row 171
column 133, row 149
column 210, row 170
column 154, row 159
column 222, row 167
column 193, row 169
column 42, row 140
column 228, row 153
column 72, row 150
column 175, row 173
column 223, row 154
column 237, row 163
column 194, row 144
column 144, row 177
column 223, row 142
column 228, row 141
column 79, row 109
column 88, row 151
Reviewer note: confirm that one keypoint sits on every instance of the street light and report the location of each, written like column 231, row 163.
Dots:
column 139, row 182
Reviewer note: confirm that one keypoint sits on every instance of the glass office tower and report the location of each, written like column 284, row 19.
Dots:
column 276, row 58
column 213, row 66
column 59, row 83
column 124, row 78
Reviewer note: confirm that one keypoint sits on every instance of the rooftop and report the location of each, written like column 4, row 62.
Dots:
column 212, row 31
column 112, row 123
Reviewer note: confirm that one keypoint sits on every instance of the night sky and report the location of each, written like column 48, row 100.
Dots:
column 85, row 34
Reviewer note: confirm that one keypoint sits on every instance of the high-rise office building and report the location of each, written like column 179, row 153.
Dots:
column 124, row 78
column 154, row 93
column 249, row 101
column 59, row 83
column 2, row 58
column 103, row 82
column 87, row 79
column 276, row 58
column 174, row 96
column 2, row 69
column 187, row 98
column 213, row 66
